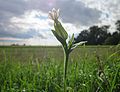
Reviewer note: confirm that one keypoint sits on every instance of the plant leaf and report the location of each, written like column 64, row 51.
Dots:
column 60, row 30
column 63, row 42
column 77, row 44
column 70, row 43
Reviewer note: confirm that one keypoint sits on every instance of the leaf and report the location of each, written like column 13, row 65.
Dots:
column 77, row 44
column 71, row 40
column 114, row 80
column 60, row 30
column 63, row 42
column 70, row 43
column 70, row 89
column 57, row 87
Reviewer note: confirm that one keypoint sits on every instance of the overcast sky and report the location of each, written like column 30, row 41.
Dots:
column 26, row 21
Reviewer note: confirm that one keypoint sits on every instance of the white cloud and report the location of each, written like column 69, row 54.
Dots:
column 9, row 38
column 37, row 21
column 31, row 19
column 28, row 21
column 110, row 10
column 38, row 41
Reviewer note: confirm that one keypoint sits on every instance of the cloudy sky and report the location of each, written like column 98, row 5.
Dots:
column 26, row 21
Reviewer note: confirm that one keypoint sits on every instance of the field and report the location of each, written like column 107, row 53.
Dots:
column 40, row 69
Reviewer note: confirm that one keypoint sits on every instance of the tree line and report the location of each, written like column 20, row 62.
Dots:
column 96, row 35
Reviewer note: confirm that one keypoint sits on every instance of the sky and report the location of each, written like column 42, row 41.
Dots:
column 27, row 22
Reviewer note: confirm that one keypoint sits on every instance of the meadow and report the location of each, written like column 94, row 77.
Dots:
column 40, row 69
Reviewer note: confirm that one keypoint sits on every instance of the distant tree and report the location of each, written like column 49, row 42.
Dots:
column 24, row 44
column 109, row 41
column 118, row 25
column 116, row 37
column 83, row 36
column 118, row 28
column 12, row 44
column 102, row 34
column 113, row 39
column 94, row 35
column 97, row 35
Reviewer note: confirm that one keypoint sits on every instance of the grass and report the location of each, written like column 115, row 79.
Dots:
column 40, row 69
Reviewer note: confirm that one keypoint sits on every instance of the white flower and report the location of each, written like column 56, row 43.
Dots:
column 54, row 14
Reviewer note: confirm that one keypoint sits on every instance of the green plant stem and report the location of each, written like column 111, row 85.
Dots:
column 66, row 56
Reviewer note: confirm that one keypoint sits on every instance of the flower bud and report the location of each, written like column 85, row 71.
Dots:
column 54, row 14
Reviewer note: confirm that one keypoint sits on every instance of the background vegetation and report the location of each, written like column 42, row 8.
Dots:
column 99, row 35
column 40, row 69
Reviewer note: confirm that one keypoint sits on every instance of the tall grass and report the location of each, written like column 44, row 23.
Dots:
column 39, row 69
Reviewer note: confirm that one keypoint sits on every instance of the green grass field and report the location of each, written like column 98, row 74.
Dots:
column 40, row 69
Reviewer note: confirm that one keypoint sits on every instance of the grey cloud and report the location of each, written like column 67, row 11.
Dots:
column 11, row 8
column 76, row 12
column 7, row 32
column 71, row 12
